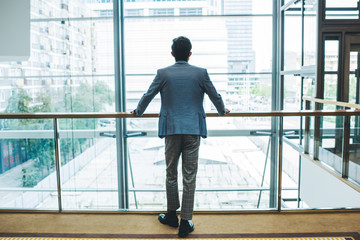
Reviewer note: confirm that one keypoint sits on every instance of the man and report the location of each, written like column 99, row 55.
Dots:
column 181, row 122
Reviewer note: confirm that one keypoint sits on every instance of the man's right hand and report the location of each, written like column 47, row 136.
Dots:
column 227, row 111
column 133, row 112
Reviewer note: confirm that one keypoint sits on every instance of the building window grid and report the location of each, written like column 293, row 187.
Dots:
column 161, row 11
column 190, row 11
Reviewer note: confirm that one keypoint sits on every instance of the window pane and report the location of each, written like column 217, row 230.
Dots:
column 310, row 8
column 88, row 164
column 354, row 157
column 237, row 51
column 345, row 9
column 292, row 102
column 292, row 92
column 309, row 87
column 290, row 175
column 343, row 3
column 354, row 167
column 68, row 57
column 27, row 164
column 292, row 39
column 71, row 69
column 233, row 172
column 330, row 123
column 232, row 56
column 353, row 78
column 331, row 55
column 71, row 8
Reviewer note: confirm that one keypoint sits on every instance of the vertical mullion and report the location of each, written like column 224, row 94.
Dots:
column 123, row 104
column 119, row 103
column 356, row 138
column 347, row 39
column 302, row 64
column 57, row 162
column 307, row 129
column 277, row 18
column 346, row 147
column 319, row 75
column 340, row 90
column 301, row 96
column 281, row 120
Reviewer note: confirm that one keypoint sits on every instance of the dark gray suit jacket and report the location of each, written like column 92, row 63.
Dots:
column 182, row 87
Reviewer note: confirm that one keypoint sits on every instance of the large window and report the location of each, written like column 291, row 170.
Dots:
column 317, row 70
column 234, row 42
column 71, row 69
column 100, row 56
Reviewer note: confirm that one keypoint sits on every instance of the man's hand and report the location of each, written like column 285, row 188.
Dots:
column 226, row 111
column 133, row 112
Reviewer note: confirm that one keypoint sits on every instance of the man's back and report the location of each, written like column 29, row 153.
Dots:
column 182, row 87
column 182, row 93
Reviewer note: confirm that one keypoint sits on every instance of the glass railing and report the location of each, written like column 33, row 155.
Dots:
column 50, row 163
column 335, row 138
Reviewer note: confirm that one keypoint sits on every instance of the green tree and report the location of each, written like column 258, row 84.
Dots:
column 92, row 98
column 40, row 150
column 44, row 103
column 261, row 90
column 19, row 102
column 89, row 99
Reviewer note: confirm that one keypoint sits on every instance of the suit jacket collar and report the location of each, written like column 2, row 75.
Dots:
column 181, row 62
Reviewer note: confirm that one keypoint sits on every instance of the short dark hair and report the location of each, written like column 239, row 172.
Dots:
column 181, row 48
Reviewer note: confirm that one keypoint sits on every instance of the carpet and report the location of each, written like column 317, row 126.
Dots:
column 269, row 236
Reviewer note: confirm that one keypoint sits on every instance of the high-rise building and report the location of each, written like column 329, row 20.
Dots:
column 59, row 50
column 241, row 55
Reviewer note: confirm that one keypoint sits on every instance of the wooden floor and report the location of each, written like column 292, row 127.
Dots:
column 205, row 223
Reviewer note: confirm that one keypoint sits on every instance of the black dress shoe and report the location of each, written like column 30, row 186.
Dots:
column 169, row 219
column 185, row 228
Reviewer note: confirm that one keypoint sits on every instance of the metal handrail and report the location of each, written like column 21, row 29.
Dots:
column 336, row 103
column 223, row 189
column 302, row 113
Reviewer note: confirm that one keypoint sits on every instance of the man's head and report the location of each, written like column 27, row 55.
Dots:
column 181, row 48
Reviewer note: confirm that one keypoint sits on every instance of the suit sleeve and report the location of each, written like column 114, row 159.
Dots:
column 149, row 95
column 214, row 96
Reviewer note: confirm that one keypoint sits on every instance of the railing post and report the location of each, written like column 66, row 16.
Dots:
column 307, row 129
column 280, row 162
column 317, row 132
column 57, row 162
column 346, row 147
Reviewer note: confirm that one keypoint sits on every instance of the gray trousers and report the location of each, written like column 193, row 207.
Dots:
column 188, row 147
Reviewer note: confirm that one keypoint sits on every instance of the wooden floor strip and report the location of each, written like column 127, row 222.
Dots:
column 279, row 236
